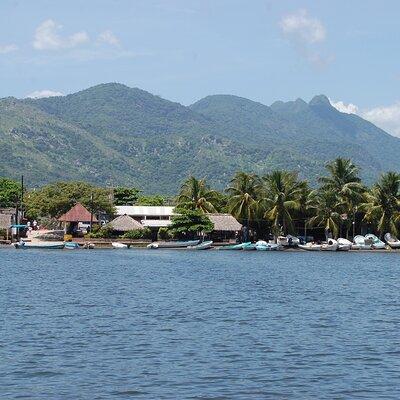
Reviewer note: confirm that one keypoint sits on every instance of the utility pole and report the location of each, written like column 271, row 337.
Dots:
column 91, row 212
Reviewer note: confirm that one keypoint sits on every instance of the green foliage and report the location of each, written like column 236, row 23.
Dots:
column 10, row 192
column 190, row 223
column 124, row 196
column 156, row 200
column 164, row 234
column 101, row 233
column 138, row 234
column 55, row 199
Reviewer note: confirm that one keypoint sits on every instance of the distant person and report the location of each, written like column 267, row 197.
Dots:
column 35, row 225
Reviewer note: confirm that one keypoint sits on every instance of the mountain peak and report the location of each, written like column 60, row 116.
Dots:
column 320, row 100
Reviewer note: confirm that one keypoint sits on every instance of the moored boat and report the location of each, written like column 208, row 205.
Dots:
column 117, row 245
column 249, row 246
column 392, row 241
column 376, row 242
column 262, row 245
column 288, row 241
column 330, row 245
column 310, row 246
column 344, row 244
column 202, row 246
column 172, row 244
column 360, row 243
column 238, row 246
column 71, row 246
column 39, row 245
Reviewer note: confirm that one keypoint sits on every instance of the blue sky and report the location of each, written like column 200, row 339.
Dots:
column 184, row 50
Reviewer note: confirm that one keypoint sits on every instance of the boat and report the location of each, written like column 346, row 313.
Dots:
column 288, row 241
column 376, row 242
column 392, row 241
column 330, row 245
column 249, row 246
column 39, row 245
column 238, row 246
column 117, row 245
column 173, row 245
column 262, row 245
column 202, row 246
column 310, row 246
column 360, row 243
column 71, row 245
column 344, row 244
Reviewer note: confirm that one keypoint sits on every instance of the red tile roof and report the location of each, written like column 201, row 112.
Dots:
column 78, row 213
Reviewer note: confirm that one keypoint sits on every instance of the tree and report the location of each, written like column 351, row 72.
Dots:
column 55, row 199
column 10, row 192
column 195, row 194
column 382, row 204
column 190, row 223
column 282, row 194
column 125, row 196
column 156, row 200
column 344, row 182
column 242, row 203
column 323, row 205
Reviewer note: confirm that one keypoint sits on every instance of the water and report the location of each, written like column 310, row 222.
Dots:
column 164, row 324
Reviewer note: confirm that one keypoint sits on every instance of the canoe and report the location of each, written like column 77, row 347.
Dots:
column 173, row 245
column 117, row 245
column 39, row 245
column 238, row 246
column 376, row 242
column 71, row 245
column 202, row 246
column 310, row 246
column 392, row 241
column 331, row 245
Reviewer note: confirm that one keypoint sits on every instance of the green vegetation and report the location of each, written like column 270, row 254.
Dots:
column 124, row 196
column 112, row 135
column 138, row 234
column 10, row 192
column 190, row 223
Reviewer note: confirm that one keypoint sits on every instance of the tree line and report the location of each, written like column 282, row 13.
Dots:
column 278, row 202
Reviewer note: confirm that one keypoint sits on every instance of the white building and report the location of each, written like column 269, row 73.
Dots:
column 148, row 216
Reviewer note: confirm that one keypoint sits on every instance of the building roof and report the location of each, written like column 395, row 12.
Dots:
column 156, row 223
column 78, row 213
column 124, row 223
column 146, row 211
column 224, row 222
column 5, row 221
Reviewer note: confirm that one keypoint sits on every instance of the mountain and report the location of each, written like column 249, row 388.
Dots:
column 112, row 135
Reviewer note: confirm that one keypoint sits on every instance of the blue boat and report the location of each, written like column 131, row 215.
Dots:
column 238, row 246
column 71, row 245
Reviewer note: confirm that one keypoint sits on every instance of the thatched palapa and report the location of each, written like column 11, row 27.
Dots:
column 124, row 223
column 224, row 222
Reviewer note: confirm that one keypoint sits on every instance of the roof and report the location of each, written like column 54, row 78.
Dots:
column 156, row 223
column 78, row 213
column 224, row 222
column 146, row 211
column 5, row 221
column 124, row 223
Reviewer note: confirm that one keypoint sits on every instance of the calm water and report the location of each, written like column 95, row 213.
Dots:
column 167, row 324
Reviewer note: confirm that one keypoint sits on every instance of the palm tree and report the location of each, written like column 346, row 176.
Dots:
column 195, row 194
column 343, row 180
column 243, row 192
column 281, row 196
column 323, row 205
column 382, row 203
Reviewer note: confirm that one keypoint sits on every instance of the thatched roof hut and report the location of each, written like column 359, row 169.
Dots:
column 224, row 222
column 78, row 213
column 124, row 223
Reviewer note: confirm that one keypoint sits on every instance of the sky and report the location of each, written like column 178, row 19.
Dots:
column 184, row 50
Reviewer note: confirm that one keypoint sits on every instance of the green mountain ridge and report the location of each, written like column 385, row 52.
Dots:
column 111, row 135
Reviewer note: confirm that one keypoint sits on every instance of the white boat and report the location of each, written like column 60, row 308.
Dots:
column 39, row 245
column 392, row 241
column 117, row 245
column 262, row 245
column 330, row 245
column 288, row 241
column 376, row 242
column 310, row 246
column 202, row 246
column 344, row 244
column 360, row 243
column 172, row 244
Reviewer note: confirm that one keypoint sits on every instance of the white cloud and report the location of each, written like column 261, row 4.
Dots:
column 385, row 117
column 345, row 108
column 47, row 37
column 39, row 94
column 8, row 48
column 301, row 27
column 108, row 37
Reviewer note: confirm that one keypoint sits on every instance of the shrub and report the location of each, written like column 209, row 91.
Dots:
column 137, row 234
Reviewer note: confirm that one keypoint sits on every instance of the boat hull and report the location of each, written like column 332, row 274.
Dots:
column 202, row 246
column 173, row 245
column 234, row 246
column 314, row 247
column 39, row 245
